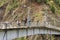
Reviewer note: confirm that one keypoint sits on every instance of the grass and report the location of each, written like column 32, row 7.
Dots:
column 38, row 16
column 22, row 38
column 13, row 4
column 3, row 2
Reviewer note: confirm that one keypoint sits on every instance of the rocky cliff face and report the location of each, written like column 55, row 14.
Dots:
column 17, row 10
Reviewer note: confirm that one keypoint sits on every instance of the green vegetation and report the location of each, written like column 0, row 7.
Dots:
column 22, row 38
column 14, row 9
column 3, row 2
column 53, row 9
column 37, row 37
column 21, row 12
column 57, row 2
column 54, row 5
column 39, row 1
column 12, row 5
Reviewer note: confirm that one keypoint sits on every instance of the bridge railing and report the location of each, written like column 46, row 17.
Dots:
column 4, row 25
column 8, row 25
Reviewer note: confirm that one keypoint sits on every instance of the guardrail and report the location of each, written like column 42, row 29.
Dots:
column 8, row 25
column 5, row 25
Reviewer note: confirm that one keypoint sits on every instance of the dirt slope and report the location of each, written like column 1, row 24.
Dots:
column 16, row 10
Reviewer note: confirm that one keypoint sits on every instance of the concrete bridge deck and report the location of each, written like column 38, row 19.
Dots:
column 16, row 30
column 15, row 25
column 17, row 33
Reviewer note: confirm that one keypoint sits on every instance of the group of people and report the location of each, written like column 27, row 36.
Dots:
column 23, row 21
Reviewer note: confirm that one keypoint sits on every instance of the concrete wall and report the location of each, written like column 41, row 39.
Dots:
column 12, row 34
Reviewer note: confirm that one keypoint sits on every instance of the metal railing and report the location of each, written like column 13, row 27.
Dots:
column 4, row 25
column 7, row 25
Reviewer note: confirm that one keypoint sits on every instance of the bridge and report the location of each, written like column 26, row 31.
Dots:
column 12, row 30
column 9, row 31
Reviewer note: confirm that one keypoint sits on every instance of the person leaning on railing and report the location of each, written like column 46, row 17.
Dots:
column 19, row 23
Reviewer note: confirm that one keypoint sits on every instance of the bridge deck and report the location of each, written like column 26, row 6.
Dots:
column 16, row 33
column 21, row 30
column 15, row 25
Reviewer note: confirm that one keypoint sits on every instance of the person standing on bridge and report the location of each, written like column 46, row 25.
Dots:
column 18, row 23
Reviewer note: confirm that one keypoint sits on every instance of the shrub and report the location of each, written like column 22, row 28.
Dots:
column 57, row 2
column 52, row 9
column 46, row 1
column 38, row 1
